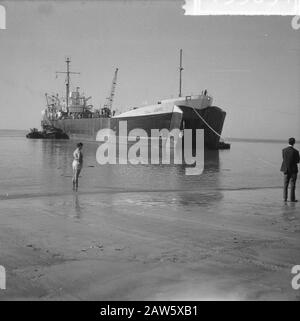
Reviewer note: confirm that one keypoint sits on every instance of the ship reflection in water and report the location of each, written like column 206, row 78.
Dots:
column 147, row 185
column 208, row 190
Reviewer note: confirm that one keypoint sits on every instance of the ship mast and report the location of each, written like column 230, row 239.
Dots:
column 180, row 73
column 68, row 72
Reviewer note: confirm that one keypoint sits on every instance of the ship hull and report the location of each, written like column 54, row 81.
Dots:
column 187, row 118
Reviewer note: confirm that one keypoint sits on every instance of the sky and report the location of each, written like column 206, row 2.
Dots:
column 250, row 65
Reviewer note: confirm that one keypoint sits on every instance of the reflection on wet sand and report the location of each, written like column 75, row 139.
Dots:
column 290, row 211
column 77, row 207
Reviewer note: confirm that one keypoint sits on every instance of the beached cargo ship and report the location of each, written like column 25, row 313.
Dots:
column 79, row 120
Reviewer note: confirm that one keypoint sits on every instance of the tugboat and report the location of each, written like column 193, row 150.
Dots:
column 34, row 134
column 49, row 132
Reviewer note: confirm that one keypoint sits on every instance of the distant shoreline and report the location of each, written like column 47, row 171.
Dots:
column 227, row 139
column 257, row 140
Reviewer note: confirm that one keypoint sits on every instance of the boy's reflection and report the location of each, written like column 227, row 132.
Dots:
column 77, row 207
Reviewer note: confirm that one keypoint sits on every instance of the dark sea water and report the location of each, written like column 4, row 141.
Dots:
column 38, row 167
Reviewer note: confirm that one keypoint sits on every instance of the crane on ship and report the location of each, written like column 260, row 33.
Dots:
column 106, row 110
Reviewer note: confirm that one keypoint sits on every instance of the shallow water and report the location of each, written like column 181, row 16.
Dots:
column 44, row 166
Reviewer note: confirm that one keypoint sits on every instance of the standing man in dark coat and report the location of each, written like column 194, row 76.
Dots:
column 289, row 168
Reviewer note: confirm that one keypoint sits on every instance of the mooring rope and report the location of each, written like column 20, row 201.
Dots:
column 206, row 123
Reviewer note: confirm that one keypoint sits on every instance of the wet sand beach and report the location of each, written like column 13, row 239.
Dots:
column 129, row 246
column 145, row 232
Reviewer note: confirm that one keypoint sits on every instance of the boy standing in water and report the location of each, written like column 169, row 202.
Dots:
column 77, row 165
